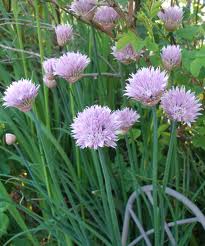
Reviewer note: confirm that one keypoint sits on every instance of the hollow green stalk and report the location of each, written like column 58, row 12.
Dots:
column 44, row 169
column 169, row 155
column 110, row 198
column 154, row 175
column 15, row 6
column 72, row 108
column 40, row 43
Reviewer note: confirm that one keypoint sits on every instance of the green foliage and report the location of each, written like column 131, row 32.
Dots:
column 190, row 33
column 130, row 38
column 4, row 223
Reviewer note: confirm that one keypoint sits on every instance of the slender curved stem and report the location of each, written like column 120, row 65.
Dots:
column 169, row 155
column 155, row 170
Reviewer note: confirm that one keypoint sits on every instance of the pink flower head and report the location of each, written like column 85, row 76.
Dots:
column 172, row 17
column 71, row 65
column 181, row 105
column 64, row 33
column 48, row 66
column 20, row 94
column 127, row 118
column 95, row 127
column 125, row 55
column 84, row 8
column 147, row 86
column 106, row 16
column 171, row 56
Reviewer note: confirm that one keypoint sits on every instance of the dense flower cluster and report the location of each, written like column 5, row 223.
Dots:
column 84, row 8
column 171, row 56
column 95, row 127
column 181, row 105
column 20, row 94
column 106, row 16
column 147, row 85
column 127, row 118
column 48, row 67
column 71, row 65
column 64, row 33
column 172, row 17
column 125, row 55
column 49, row 79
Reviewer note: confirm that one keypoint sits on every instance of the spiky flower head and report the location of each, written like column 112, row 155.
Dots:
column 48, row 67
column 71, row 65
column 64, row 33
column 84, row 8
column 10, row 138
column 127, row 118
column 147, row 86
column 172, row 17
column 95, row 127
column 20, row 94
column 171, row 56
column 106, row 16
column 125, row 55
column 181, row 105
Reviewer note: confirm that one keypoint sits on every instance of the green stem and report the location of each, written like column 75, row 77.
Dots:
column 45, row 174
column 110, row 198
column 19, row 34
column 154, row 180
column 169, row 156
column 72, row 108
column 40, row 42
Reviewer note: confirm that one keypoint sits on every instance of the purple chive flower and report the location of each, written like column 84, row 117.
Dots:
column 48, row 67
column 147, row 86
column 172, row 17
column 84, row 8
column 171, row 56
column 71, row 65
column 125, row 55
column 106, row 16
column 181, row 105
column 95, row 127
column 64, row 33
column 127, row 118
column 20, row 94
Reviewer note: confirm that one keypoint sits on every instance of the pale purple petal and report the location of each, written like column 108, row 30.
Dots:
column 171, row 16
column 71, row 65
column 106, row 15
column 181, row 105
column 83, row 8
column 147, row 85
column 95, row 127
column 20, row 94
column 125, row 55
column 171, row 56
column 127, row 118
column 48, row 66
column 64, row 33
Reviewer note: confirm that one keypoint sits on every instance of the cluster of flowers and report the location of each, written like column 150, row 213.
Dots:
column 88, row 10
column 171, row 56
column 69, row 66
column 98, row 126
